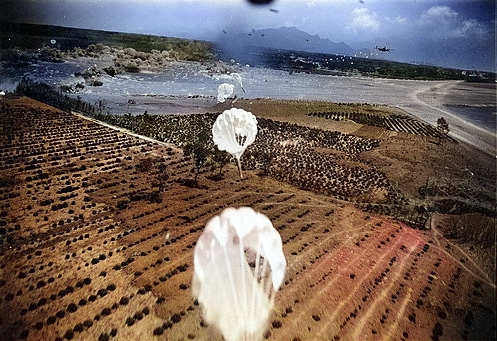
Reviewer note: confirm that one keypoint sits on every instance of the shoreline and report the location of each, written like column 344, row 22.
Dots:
column 426, row 100
column 461, row 129
column 430, row 105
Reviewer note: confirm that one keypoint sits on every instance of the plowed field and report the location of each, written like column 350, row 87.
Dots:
column 87, row 255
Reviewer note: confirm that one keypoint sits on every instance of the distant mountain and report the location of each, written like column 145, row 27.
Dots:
column 453, row 52
column 285, row 38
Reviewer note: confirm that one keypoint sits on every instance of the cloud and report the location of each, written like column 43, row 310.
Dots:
column 396, row 23
column 444, row 22
column 438, row 18
column 469, row 28
column 439, row 13
column 363, row 20
column 401, row 20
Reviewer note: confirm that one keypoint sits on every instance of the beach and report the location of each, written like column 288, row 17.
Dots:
column 436, row 101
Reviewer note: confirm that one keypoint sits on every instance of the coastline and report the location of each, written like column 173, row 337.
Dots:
column 427, row 104
column 431, row 104
column 425, row 100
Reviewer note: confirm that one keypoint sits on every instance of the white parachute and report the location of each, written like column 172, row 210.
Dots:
column 238, row 79
column 239, row 265
column 224, row 91
column 233, row 131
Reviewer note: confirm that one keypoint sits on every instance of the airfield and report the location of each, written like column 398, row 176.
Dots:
column 86, row 254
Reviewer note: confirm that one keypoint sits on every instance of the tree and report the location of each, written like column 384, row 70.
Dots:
column 157, row 168
column 222, row 158
column 199, row 148
column 443, row 128
column 266, row 159
column 162, row 175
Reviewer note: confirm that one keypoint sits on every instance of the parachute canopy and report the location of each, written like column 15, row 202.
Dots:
column 224, row 91
column 238, row 267
column 237, row 78
column 233, row 131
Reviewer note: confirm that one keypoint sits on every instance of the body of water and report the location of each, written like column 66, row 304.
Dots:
column 190, row 79
column 483, row 116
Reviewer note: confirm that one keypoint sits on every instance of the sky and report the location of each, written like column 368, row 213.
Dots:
column 402, row 25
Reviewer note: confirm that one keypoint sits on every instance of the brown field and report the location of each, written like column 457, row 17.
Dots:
column 86, row 254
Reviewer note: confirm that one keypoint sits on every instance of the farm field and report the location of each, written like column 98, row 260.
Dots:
column 91, row 250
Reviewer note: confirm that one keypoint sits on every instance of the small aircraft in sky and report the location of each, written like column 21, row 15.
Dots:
column 382, row 49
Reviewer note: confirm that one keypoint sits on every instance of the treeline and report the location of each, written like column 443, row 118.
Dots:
column 45, row 93
column 32, row 36
column 398, row 70
column 329, row 64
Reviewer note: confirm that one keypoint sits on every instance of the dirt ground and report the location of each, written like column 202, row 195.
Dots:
column 87, row 255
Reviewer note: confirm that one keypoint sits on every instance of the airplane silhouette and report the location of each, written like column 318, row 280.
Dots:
column 382, row 49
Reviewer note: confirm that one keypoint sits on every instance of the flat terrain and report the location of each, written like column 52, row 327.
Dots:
column 86, row 254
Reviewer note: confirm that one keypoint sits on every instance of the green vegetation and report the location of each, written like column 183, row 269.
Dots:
column 46, row 94
column 31, row 36
column 199, row 147
column 390, row 69
column 53, row 42
column 350, row 66
column 181, row 49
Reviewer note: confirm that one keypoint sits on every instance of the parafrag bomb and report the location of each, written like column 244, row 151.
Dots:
column 236, row 298
column 224, row 91
column 238, row 79
column 233, row 131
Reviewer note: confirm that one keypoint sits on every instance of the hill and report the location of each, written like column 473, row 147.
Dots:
column 32, row 36
column 273, row 48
